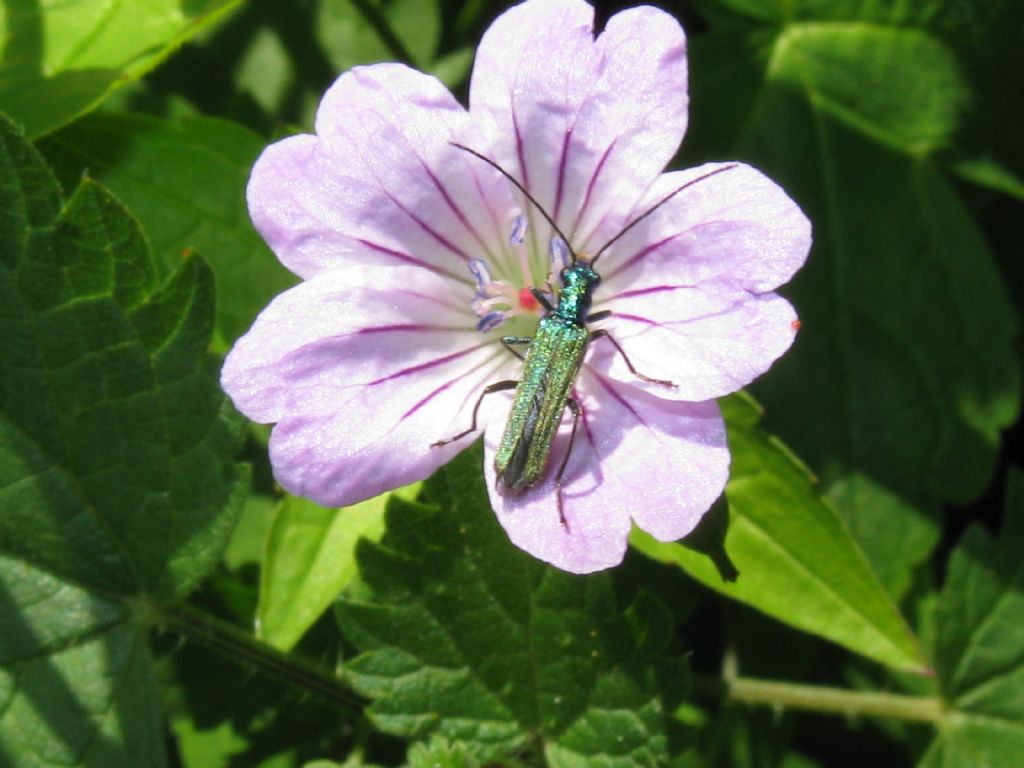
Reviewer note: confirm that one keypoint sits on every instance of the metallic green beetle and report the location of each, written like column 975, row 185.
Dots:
column 553, row 360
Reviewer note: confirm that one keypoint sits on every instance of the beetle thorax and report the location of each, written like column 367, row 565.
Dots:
column 578, row 284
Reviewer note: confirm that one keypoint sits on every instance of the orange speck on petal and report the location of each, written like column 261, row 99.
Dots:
column 795, row 325
column 527, row 300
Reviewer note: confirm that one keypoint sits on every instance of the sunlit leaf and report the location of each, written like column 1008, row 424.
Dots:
column 76, row 683
column 797, row 561
column 61, row 59
column 309, row 558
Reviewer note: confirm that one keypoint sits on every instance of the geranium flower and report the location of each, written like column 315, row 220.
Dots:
column 417, row 258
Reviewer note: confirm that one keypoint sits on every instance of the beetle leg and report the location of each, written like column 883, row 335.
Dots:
column 496, row 387
column 510, row 341
column 577, row 410
column 544, row 297
column 601, row 333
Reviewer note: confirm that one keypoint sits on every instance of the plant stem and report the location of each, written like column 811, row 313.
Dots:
column 839, row 701
column 244, row 649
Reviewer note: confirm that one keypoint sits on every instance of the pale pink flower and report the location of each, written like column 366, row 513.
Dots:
column 415, row 256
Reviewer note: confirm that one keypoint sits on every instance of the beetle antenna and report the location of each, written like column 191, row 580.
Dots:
column 658, row 205
column 522, row 189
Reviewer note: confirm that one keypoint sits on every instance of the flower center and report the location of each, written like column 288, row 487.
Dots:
column 498, row 301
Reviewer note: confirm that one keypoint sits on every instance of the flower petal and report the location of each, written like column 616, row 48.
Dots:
column 594, row 537
column 326, row 332
column 586, row 125
column 666, row 460
column 737, row 227
column 689, row 287
column 362, row 369
column 661, row 462
column 380, row 183
column 381, row 437
column 708, row 343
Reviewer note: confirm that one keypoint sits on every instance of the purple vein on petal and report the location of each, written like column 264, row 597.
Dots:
column 520, row 152
column 424, row 366
column 456, row 209
column 438, row 390
column 440, row 187
column 592, row 183
column 562, row 163
column 495, row 222
column 607, row 387
column 646, row 291
column 674, row 324
column 414, row 327
column 635, row 318
column 428, row 229
column 430, row 396
column 410, row 259
column 525, row 180
column 641, row 254
column 441, row 300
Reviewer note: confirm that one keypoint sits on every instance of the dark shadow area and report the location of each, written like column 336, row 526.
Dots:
column 45, row 691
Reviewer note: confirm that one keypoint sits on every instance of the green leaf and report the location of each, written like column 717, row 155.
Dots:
column 979, row 647
column 62, row 59
column 898, row 86
column 985, row 172
column 904, row 372
column 186, row 183
column 355, row 32
column 116, row 443
column 439, row 753
column 465, row 637
column 453, row 69
column 797, row 561
column 899, row 293
column 309, row 559
column 76, row 683
column 206, row 747
column 896, row 536
column 248, row 540
column 266, row 72
column 933, row 14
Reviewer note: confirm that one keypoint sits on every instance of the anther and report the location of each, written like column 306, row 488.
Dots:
column 491, row 320
column 560, row 254
column 518, row 233
column 482, row 275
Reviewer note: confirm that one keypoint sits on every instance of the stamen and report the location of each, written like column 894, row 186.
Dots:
column 490, row 321
column 495, row 300
column 516, row 239
column 560, row 254
column 478, row 268
column 482, row 306
column 518, row 234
